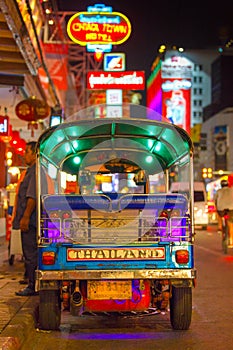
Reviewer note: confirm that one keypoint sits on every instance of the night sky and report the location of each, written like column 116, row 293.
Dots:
column 193, row 25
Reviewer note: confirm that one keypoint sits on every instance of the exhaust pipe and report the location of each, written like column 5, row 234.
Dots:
column 76, row 298
column 76, row 302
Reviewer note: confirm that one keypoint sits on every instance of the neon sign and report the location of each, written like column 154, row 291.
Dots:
column 4, row 125
column 133, row 80
column 98, row 28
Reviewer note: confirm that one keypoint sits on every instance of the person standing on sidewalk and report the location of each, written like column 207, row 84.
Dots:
column 25, row 218
column 25, row 279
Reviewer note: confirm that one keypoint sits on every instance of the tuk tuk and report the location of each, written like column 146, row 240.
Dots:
column 111, row 236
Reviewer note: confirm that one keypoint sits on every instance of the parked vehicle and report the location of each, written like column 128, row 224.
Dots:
column 107, row 241
column 201, row 212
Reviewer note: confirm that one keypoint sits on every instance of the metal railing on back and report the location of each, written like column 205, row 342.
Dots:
column 125, row 229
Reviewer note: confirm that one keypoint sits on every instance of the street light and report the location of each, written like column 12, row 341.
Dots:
column 207, row 173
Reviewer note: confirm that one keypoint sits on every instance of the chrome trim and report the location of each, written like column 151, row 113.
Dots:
column 116, row 274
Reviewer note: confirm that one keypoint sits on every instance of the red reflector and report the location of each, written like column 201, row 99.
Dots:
column 66, row 215
column 164, row 214
column 182, row 256
column 54, row 215
column 48, row 258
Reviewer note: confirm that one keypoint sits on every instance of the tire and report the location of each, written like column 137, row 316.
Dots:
column 49, row 309
column 11, row 260
column 181, row 307
column 11, row 257
column 225, row 239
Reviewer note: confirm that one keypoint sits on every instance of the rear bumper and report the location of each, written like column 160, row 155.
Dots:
column 116, row 274
column 202, row 219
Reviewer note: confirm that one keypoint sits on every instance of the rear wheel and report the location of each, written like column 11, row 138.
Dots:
column 11, row 260
column 225, row 238
column 49, row 309
column 11, row 257
column 181, row 307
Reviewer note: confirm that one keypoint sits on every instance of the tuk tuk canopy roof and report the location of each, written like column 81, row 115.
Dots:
column 147, row 144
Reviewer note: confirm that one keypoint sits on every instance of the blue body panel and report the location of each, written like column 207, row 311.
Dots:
column 161, row 254
column 105, row 264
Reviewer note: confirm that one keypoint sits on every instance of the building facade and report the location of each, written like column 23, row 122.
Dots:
column 191, row 64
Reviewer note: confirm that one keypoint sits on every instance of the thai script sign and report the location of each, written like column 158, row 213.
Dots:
column 177, row 67
column 98, row 28
column 132, row 80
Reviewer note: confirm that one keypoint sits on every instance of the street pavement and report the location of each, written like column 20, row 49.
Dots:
column 17, row 314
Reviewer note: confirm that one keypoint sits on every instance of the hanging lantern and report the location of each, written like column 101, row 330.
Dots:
column 15, row 138
column 21, row 146
column 17, row 143
column 98, row 56
column 32, row 126
column 32, row 110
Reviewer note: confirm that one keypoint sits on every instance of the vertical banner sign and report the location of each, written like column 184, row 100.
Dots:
column 220, row 147
column 154, row 89
column 176, row 90
column 176, row 101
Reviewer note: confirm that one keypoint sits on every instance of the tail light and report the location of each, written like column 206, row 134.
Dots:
column 66, row 215
column 54, row 215
column 57, row 215
column 182, row 256
column 164, row 214
column 48, row 258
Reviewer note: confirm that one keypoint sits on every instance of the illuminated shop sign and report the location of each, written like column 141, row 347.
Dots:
column 114, row 97
column 98, row 28
column 176, row 101
column 132, row 80
column 177, row 67
column 4, row 125
column 96, row 48
column 114, row 62
column 176, row 84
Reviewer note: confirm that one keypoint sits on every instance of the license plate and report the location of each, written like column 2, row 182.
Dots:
column 103, row 290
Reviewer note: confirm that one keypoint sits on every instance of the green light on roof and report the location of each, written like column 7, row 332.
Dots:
column 149, row 159
column 60, row 139
column 75, row 144
column 150, row 143
column 77, row 160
